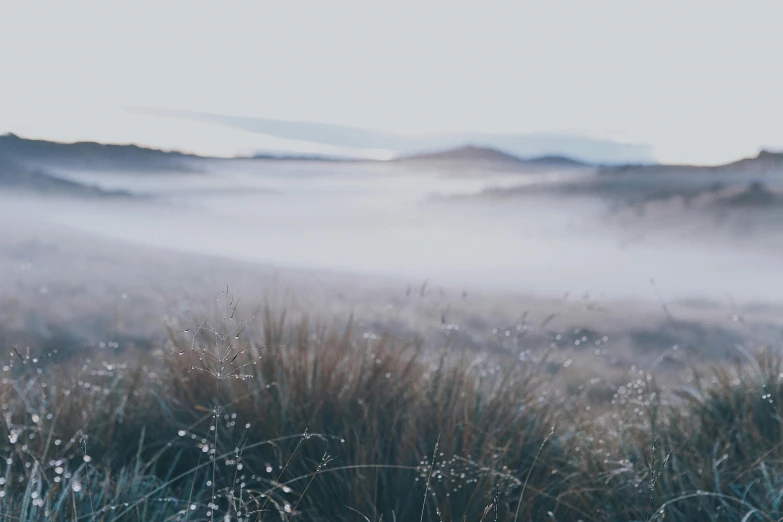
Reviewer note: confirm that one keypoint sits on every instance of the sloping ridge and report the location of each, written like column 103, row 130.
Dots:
column 476, row 154
column 764, row 161
column 468, row 152
column 91, row 154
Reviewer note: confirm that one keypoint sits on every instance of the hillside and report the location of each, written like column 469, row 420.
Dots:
column 476, row 156
column 632, row 185
column 466, row 153
column 92, row 155
column 763, row 162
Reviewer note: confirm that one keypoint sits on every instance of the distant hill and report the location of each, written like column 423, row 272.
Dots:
column 489, row 155
column 93, row 155
column 751, row 183
column 86, row 154
column 466, row 153
column 560, row 161
column 763, row 162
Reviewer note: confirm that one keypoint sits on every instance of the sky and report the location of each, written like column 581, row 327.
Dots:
column 699, row 81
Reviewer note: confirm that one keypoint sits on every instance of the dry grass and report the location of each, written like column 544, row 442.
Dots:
column 238, row 421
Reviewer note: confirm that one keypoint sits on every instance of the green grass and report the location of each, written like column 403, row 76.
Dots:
column 298, row 422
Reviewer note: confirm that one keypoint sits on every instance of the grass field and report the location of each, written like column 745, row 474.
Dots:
column 273, row 419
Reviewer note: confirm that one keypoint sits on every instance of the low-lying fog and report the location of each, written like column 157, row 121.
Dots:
column 386, row 219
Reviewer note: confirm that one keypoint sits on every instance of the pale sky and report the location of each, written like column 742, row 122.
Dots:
column 700, row 81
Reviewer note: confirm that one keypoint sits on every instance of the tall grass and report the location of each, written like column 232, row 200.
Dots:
column 293, row 421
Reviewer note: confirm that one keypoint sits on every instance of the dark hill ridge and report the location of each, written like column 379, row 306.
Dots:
column 131, row 156
column 765, row 161
column 87, row 154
